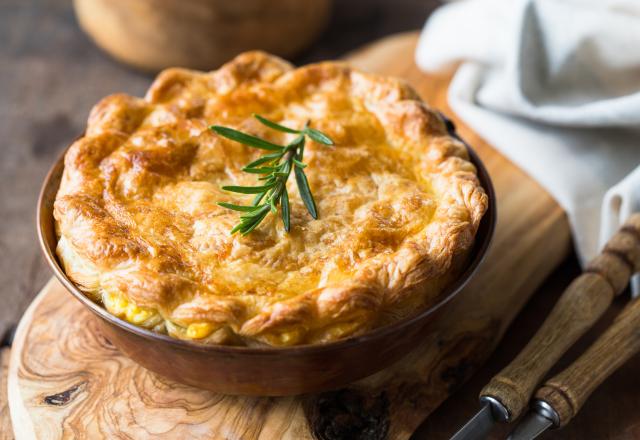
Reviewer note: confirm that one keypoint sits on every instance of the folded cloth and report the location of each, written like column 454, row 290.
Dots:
column 555, row 86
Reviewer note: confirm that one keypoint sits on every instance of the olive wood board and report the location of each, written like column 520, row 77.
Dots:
column 67, row 381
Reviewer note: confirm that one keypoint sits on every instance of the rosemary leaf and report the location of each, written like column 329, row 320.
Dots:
column 248, row 189
column 262, row 170
column 245, row 139
column 265, row 159
column 274, row 170
column 286, row 169
column 274, row 125
column 300, row 154
column 255, row 223
column 286, row 215
column 257, row 199
column 318, row 136
column 257, row 211
column 305, row 192
column 253, row 214
column 237, row 207
column 236, row 228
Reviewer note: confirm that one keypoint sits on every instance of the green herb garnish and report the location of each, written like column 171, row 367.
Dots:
column 274, row 170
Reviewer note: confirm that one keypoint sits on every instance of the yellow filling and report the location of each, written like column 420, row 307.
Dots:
column 200, row 330
column 122, row 308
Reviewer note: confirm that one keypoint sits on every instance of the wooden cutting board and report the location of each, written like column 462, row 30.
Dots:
column 67, row 381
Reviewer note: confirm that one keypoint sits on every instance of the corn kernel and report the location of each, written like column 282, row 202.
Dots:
column 139, row 315
column 200, row 330
column 121, row 304
column 290, row 337
column 131, row 311
column 115, row 304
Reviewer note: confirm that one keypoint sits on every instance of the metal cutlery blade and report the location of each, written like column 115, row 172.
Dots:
column 478, row 427
column 531, row 426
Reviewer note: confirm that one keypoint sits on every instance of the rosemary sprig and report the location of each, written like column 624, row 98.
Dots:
column 274, row 170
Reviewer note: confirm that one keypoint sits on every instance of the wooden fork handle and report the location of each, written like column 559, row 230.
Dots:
column 567, row 392
column 579, row 307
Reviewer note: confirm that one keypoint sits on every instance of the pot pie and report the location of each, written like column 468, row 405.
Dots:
column 140, row 230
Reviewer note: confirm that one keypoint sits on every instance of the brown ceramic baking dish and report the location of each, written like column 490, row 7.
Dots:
column 264, row 370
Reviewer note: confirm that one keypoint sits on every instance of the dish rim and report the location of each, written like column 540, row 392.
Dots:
column 478, row 253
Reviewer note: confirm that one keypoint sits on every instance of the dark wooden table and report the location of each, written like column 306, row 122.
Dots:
column 50, row 76
column 610, row 413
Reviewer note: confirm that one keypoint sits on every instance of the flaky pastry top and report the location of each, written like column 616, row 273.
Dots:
column 139, row 229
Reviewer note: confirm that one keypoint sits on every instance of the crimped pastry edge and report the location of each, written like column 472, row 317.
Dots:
column 406, row 273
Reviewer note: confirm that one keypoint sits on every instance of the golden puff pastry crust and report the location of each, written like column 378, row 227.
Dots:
column 139, row 229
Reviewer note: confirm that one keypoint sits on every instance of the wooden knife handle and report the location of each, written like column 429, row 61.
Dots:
column 567, row 392
column 579, row 307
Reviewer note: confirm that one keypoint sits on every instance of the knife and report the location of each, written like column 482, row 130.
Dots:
column 507, row 395
column 561, row 397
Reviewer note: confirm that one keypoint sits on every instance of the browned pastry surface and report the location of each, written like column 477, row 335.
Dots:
column 398, row 201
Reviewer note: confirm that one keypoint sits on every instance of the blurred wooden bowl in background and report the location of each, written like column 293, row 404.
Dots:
column 199, row 34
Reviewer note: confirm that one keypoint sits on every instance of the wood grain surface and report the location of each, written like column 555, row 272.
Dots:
column 610, row 413
column 568, row 391
column 65, row 379
column 6, row 429
column 583, row 302
column 200, row 34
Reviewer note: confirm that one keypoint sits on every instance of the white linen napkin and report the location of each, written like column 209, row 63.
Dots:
column 555, row 86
